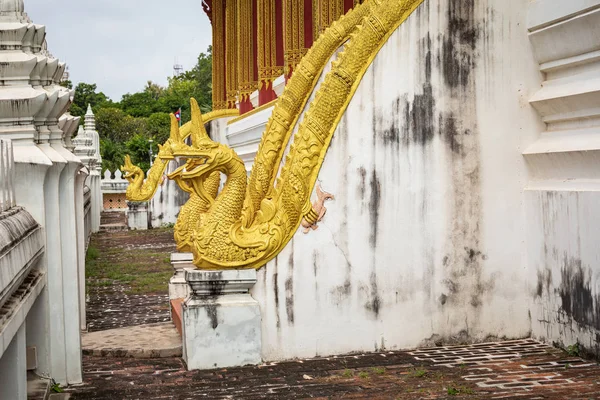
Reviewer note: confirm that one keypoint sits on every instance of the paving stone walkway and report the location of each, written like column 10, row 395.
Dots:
column 143, row 341
column 523, row 369
column 111, row 307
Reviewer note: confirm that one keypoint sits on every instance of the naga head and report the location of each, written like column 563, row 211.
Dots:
column 131, row 172
column 204, row 156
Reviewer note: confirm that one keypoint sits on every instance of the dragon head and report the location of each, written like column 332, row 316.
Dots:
column 131, row 172
column 204, row 156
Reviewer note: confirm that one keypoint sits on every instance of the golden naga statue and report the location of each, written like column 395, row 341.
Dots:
column 141, row 189
column 252, row 219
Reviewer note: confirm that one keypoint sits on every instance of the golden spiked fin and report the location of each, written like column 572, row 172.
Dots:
column 198, row 132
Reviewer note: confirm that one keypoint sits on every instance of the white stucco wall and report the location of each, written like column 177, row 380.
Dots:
column 563, row 194
column 168, row 199
column 424, row 241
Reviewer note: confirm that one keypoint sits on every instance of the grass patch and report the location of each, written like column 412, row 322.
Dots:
column 92, row 253
column 139, row 270
column 418, row 373
column 363, row 375
column 378, row 370
column 348, row 373
column 574, row 350
column 455, row 391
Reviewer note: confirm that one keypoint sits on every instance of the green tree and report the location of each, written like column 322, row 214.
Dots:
column 154, row 90
column 86, row 93
column 138, row 147
column 158, row 126
column 112, row 154
column 139, row 104
column 118, row 126
column 66, row 83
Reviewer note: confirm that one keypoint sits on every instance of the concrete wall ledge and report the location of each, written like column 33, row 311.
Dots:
column 13, row 315
column 21, row 241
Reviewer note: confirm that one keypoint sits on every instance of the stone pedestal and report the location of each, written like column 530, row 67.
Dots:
column 137, row 215
column 178, row 287
column 221, row 321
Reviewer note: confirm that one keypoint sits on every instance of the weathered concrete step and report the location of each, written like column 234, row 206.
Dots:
column 37, row 387
column 143, row 341
column 113, row 228
column 113, row 217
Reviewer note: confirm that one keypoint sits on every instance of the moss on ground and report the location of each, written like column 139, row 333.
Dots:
column 140, row 270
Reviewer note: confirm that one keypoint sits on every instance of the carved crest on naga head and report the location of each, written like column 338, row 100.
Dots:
column 132, row 172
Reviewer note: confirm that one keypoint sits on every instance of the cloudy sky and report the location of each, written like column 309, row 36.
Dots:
column 121, row 44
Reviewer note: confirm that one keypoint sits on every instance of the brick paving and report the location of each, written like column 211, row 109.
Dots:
column 523, row 369
column 110, row 307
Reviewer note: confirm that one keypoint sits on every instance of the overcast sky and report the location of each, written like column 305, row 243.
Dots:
column 121, row 44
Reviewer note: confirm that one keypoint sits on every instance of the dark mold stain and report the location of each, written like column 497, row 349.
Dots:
column 391, row 135
column 276, row 293
column 374, row 205
column 443, row 299
column 342, row 292
column 289, row 300
column 211, row 311
column 544, row 280
column 289, row 288
column 451, row 286
column 362, row 187
column 575, row 291
column 374, row 304
column 450, row 133
column 216, row 284
column 458, row 48
column 457, row 128
column 421, row 117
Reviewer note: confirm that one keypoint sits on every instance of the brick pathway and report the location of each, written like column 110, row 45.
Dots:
column 110, row 307
column 523, row 369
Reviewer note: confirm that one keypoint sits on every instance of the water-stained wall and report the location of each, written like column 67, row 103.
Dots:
column 423, row 242
column 562, row 195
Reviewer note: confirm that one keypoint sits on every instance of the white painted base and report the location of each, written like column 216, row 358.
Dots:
column 221, row 332
column 178, row 287
column 137, row 216
column 221, row 321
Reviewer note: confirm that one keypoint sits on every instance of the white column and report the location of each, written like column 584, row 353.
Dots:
column 56, row 314
column 13, row 369
column 81, row 243
column 97, row 206
column 70, row 271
